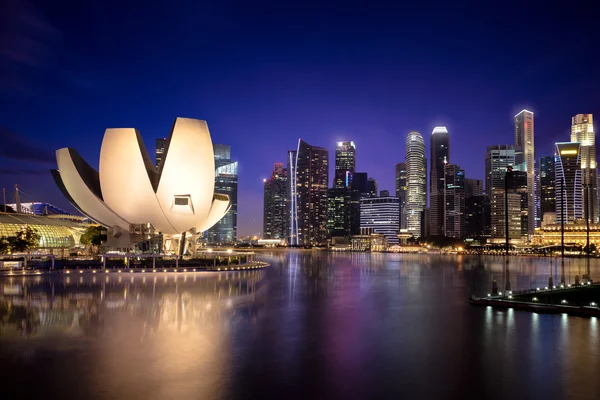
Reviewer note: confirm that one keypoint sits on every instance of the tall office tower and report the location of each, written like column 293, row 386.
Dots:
column 345, row 164
column 582, row 132
column 358, row 190
column 517, row 183
column 339, row 209
column 440, row 156
column 401, row 191
column 381, row 215
column 568, row 181
column 547, row 190
column 311, row 182
column 226, row 182
column 454, row 201
column 416, row 186
column 497, row 160
column 160, row 150
column 537, row 195
column 339, row 203
column 292, row 199
column 526, row 155
column 477, row 217
column 473, row 187
column 371, row 187
column 276, row 208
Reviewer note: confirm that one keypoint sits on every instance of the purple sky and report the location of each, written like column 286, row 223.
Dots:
column 263, row 74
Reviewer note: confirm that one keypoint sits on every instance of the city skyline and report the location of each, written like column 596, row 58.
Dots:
column 294, row 85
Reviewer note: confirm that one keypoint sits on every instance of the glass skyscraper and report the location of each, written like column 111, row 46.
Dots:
column 401, row 191
column 582, row 132
column 547, row 186
column 276, row 208
column 310, row 184
column 498, row 159
column 525, row 158
column 568, row 182
column 160, row 150
column 345, row 164
column 226, row 182
column 339, row 197
column 440, row 156
column 453, row 200
column 381, row 215
column 416, row 174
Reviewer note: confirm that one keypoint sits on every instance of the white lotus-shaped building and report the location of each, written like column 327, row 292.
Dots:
column 175, row 198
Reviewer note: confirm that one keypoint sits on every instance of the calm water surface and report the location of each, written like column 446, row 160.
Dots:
column 313, row 325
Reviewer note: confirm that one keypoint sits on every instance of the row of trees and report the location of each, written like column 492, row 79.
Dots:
column 23, row 241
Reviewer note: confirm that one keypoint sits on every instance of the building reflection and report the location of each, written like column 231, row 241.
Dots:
column 37, row 306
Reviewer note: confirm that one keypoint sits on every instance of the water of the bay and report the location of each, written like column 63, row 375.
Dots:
column 314, row 325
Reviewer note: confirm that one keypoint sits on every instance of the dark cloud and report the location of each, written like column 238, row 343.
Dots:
column 15, row 147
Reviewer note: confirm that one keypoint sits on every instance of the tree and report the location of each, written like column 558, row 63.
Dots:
column 93, row 236
column 4, row 245
column 24, row 240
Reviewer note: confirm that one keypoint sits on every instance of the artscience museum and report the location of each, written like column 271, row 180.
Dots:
column 166, row 207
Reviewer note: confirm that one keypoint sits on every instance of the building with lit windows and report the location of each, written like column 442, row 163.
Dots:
column 499, row 159
column 161, row 145
column 401, row 191
column 568, row 182
column 416, row 186
column 477, row 217
column 547, row 189
column 525, row 157
column 582, row 132
column 440, row 156
column 310, row 181
column 226, row 183
column 381, row 215
column 345, row 164
column 454, row 201
column 275, row 206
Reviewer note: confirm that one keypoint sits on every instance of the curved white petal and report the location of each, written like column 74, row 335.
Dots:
column 219, row 208
column 81, row 182
column 187, row 172
column 128, row 179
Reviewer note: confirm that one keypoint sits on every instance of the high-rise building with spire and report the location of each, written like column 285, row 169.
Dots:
column 416, row 186
column 440, row 156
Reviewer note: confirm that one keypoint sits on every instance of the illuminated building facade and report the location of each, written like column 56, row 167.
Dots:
column 311, row 184
column 226, row 183
column 525, row 156
column 381, row 215
column 440, row 156
column 401, row 191
column 454, row 201
column 568, row 182
column 275, row 206
column 582, row 132
column 416, row 186
column 161, row 145
column 498, row 159
column 292, row 199
column 345, row 164
column 547, row 189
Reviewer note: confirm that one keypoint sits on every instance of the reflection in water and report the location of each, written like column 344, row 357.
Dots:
column 313, row 325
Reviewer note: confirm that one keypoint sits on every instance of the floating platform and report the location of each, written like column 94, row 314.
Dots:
column 580, row 300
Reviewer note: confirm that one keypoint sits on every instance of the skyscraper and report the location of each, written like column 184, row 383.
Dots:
column 416, row 175
column 160, row 150
column 568, row 182
column 454, row 201
column 440, row 156
column 358, row 190
column 401, row 191
column 498, row 159
column 477, row 217
column 276, row 208
column 311, row 183
column 371, row 187
column 547, row 189
column 381, row 215
column 226, row 182
column 339, row 208
column 525, row 154
column 345, row 164
column 582, row 132
column 292, row 199
column 473, row 187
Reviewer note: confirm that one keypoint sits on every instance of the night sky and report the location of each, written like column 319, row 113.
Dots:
column 263, row 74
